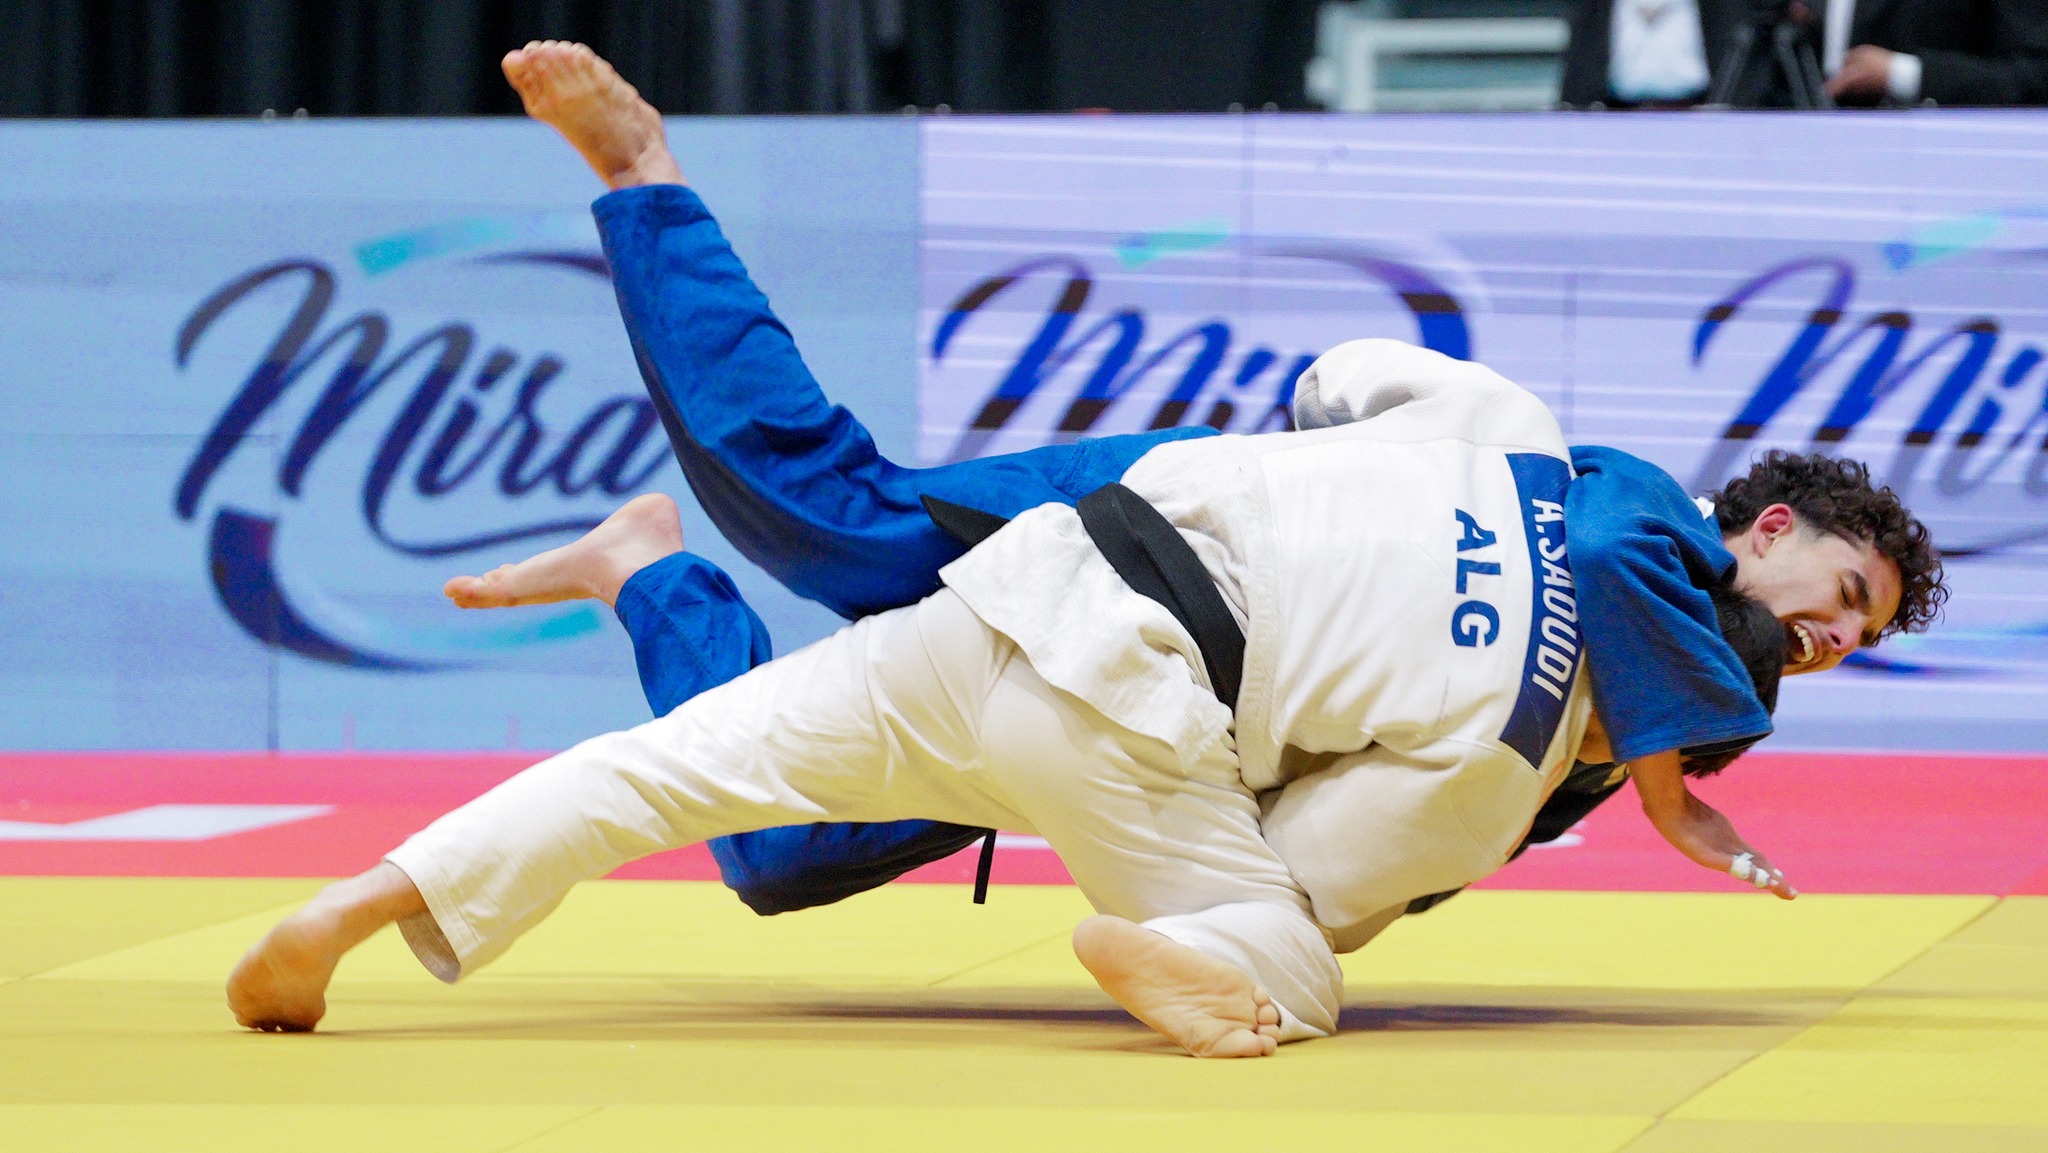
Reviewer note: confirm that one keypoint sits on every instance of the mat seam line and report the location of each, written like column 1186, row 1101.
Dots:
column 1662, row 1116
column 532, row 1137
column 164, row 937
column 1024, row 948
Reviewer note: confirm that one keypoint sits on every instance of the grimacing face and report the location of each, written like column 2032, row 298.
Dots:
column 1833, row 595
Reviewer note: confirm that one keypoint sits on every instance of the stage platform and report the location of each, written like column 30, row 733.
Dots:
column 1585, row 1003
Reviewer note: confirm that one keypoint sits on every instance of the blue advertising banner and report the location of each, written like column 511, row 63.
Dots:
column 264, row 386
column 267, row 385
column 1692, row 288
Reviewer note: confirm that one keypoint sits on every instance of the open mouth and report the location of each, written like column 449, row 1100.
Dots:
column 1802, row 649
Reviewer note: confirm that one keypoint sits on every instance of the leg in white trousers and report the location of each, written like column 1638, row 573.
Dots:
column 920, row 712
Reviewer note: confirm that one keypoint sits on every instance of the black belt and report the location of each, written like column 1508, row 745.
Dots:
column 1152, row 557
column 1155, row 560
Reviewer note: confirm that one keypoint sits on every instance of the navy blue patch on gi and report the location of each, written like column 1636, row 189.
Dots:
column 1552, row 662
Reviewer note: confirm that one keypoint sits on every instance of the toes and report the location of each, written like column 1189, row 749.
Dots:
column 1240, row 1043
column 469, row 592
column 1265, row 1014
column 463, row 590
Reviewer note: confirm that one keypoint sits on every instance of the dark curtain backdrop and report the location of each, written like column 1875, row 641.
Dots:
column 439, row 57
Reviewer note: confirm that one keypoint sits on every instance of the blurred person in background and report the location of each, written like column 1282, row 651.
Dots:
column 1667, row 53
column 1951, row 52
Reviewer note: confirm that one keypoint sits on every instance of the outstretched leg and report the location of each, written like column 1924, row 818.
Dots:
column 794, row 482
column 875, row 722
column 281, row 985
column 692, row 631
column 1206, row 1006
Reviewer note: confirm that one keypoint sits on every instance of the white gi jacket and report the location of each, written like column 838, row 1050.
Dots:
column 1411, row 684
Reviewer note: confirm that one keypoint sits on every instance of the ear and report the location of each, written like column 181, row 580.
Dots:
column 1773, row 522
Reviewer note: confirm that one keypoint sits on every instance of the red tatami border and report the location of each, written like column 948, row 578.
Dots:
column 1836, row 822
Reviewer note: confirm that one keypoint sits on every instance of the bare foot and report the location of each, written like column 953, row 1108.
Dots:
column 592, row 567
column 572, row 90
column 281, row 985
column 1206, row 1006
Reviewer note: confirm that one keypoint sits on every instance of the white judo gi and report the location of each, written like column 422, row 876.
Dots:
column 1410, row 696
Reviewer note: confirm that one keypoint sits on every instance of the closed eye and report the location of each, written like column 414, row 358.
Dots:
column 1855, row 593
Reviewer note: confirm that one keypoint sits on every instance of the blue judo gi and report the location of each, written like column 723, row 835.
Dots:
column 797, row 485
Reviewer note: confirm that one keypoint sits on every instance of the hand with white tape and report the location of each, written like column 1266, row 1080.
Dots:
column 1747, row 868
column 1694, row 828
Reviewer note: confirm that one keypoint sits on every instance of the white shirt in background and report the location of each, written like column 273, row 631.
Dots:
column 1835, row 35
column 1656, row 52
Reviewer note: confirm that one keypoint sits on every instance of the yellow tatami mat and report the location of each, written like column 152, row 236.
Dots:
column 662, row 1015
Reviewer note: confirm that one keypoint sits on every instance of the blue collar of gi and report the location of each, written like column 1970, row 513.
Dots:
column 1642, row 558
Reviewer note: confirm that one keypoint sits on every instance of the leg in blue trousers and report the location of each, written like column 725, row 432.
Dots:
column 791, row 479
column 800, row 489
column 691, row 631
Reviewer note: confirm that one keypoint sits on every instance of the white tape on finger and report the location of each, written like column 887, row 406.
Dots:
column 1744, row 868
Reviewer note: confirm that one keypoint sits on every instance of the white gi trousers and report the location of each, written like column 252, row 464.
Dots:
column 922, row 712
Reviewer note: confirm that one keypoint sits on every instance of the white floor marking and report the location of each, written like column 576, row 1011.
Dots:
column 165, row 823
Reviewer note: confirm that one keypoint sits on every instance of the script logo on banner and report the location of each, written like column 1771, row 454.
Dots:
column 1950, row 410
column 454, row 441
column 1954, row 419
column 1046, row 360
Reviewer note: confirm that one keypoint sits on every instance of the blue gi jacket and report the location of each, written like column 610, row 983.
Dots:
column 1642, row 556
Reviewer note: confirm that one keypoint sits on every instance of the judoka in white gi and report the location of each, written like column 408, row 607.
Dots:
column 1410, row 694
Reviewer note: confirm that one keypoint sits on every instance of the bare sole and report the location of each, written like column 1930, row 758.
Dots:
column 574, row 91
column 1206, row 1006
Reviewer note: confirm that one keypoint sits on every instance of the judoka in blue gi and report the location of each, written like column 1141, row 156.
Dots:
column 797, row 485
column 1069, row 679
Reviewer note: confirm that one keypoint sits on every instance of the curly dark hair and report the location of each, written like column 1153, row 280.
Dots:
column 1759, row 642
column 1835, row 496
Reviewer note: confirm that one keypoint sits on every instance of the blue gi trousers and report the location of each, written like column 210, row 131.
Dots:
column 797, row 485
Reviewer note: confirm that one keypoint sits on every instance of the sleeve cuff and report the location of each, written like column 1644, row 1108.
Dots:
column 1902, row 78
column 679, row 200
